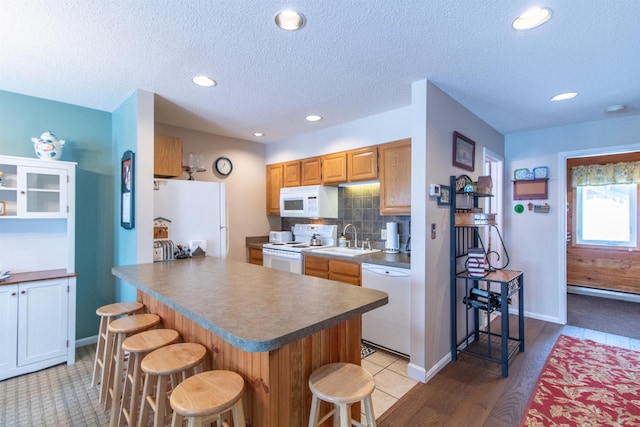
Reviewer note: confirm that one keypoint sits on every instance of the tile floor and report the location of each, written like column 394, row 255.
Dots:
column 390, row 374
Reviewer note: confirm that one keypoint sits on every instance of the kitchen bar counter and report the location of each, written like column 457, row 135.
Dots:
column 272, row 327
column 255, row 309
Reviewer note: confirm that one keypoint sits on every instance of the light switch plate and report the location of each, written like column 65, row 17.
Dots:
column 383, row 234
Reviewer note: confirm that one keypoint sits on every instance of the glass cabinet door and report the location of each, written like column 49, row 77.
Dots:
column 42, row 192
column 8, row 190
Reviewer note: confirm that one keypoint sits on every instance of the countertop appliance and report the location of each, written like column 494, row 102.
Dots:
column 198, row 214
column 280, row 236
column 288, row 256
column 310, row 201
column 388, row 326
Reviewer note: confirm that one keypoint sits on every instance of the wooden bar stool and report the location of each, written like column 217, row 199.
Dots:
column 108, row 313
column 118, row 331
column 172, row 363
column 206, row 397
column 342, row 384
column 138, row 346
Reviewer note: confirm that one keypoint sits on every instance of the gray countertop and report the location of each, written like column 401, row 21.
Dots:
column 253, row 308
column 401, row 260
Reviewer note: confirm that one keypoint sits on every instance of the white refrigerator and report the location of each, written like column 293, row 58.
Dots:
column 197, row 211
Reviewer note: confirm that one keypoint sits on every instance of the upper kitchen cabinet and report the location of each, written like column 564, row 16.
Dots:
column 275, row 177
column 291, row 173
column 167, row 156
column 362, row 164
column 334, row 168
column 311, row 171
column 31, row 188
column 395, row 177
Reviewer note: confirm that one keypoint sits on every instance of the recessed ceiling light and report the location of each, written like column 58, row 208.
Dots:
column 616, row 108
column 564, row 96
column 313, row 118
column 258, row 134
column 290, row 20
column 203, row 81
column 532, row 18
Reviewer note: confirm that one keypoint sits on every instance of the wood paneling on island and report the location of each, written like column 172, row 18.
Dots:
column 275, row 381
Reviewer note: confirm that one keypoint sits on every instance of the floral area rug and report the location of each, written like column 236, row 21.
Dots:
column 584, row 383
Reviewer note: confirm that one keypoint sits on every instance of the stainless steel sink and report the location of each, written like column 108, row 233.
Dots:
column 336, row 250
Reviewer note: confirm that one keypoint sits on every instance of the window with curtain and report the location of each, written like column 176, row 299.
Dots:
column 606, row 203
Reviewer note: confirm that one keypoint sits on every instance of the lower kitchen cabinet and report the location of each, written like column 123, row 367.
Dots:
column 35, row 325
column 333, row 269
column 255, row 256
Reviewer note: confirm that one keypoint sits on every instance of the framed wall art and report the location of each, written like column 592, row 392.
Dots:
column 464, row 152
column 127, row 190
column 445, row 195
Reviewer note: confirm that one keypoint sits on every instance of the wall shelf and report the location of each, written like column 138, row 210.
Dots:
column 531, row 189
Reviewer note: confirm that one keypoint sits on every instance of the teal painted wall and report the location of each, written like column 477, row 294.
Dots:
column 125, row 137
column 88, row 136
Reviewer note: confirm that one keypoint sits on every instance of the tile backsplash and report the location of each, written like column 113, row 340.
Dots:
column 360, row 205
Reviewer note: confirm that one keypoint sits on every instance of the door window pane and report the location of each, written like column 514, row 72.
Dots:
column 607, row 215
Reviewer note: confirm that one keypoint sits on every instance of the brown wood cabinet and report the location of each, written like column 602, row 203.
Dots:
column 292, row 177
column 274, row 184
column 333, row 269
column 362, row 164
column 311, row 171
column 395, row 177
column 334, row 168
column 167, row 156
column 255, row 256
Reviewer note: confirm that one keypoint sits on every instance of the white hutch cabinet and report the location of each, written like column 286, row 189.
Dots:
column 37, row 230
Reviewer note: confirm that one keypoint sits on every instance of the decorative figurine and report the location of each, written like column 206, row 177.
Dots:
column 47, row 146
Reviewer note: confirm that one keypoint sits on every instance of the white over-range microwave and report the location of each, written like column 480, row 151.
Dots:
column 310, row 201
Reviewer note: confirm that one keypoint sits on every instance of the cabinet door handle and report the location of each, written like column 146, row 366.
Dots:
column 13, row 294
column 23, row 292
column 22, row 192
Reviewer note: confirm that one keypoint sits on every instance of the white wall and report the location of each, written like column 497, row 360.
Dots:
column 536, row 241
column 372, row 130
column 444, row 116
column 246, row 186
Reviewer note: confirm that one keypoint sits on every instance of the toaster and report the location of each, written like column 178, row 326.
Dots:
column 280, row 236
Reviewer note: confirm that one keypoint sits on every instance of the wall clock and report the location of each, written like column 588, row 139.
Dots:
column 223, row 166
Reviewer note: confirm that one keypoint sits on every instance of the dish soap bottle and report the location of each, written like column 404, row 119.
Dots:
column 342, row 241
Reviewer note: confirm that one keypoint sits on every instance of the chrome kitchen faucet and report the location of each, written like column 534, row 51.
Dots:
column 355, row 234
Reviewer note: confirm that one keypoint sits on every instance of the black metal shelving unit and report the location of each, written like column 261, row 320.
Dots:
column 489, row 293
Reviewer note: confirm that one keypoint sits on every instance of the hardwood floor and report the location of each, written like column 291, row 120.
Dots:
column 472, row 392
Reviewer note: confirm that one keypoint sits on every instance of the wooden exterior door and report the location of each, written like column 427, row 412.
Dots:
column 601, row 267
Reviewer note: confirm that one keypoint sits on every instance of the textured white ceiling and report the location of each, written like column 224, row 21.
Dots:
column 354, row 58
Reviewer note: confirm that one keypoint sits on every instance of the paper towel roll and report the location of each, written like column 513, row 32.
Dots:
column 392, row 245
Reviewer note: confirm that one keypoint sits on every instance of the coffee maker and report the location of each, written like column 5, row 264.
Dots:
column 392, row 244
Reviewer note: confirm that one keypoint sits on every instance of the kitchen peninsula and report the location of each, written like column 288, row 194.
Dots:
column 272, row 327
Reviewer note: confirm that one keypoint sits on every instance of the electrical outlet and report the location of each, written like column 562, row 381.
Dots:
column 383, row 234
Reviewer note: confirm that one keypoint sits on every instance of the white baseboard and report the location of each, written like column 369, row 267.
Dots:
column 82, row 342
column 602, row 293
column 418, row 373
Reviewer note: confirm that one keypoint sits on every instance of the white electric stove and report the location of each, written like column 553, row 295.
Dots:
column 288, row 256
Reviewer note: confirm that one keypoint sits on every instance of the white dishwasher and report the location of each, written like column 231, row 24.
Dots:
column 388, row 326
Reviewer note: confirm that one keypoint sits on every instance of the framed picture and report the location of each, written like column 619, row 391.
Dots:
column 445, row 195
column 3, row 209
column 127, row 190
column 464, row 152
